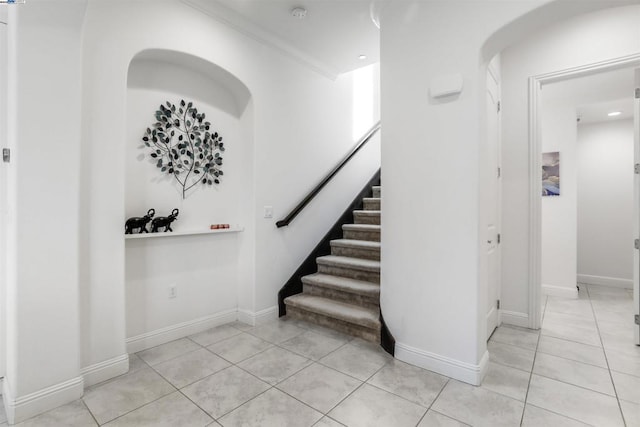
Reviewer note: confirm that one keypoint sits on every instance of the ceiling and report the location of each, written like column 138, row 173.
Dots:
column 596, row 95
column 329, row 39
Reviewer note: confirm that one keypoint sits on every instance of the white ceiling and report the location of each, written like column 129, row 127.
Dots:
column 595, row 95
column 329, row 39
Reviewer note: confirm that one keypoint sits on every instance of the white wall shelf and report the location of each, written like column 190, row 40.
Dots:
column 233, row 229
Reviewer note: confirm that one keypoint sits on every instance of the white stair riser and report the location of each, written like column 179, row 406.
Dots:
column 376, row 191
column 371, row 236
column 348, row 297
column 339, row 325
column 360, row 218
column 367, row 276
column 356, row 252
column 371, row 205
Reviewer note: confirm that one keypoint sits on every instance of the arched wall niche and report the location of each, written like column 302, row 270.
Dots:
column 168, row 69
column 203, row 269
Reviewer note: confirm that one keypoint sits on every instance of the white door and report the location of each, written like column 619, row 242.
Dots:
column 493, row 202
column 636, row 205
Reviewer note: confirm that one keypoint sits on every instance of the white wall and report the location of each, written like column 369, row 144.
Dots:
column 433, row 277
column 68, row 182
column 559, row 213
column 605, row 203
column 433, row 273
column 203, row 268
column 589, row 38
column 302, row 125
column 42, row 288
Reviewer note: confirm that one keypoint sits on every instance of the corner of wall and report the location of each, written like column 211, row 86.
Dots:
column 456, row 369
column 19, row 409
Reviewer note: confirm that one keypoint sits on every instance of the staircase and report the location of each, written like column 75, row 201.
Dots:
column 345, row 292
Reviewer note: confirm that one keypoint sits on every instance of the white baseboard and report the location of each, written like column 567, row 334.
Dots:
column 258, row 317
column 462, row 371
column 180, row 330
column 560, row 291
column 613, row 282
column 514, row 318
column 103, row 371
column 32, row 404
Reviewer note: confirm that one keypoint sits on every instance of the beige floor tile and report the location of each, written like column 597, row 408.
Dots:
column 574, row 402
column 328, row 422
column 477, row 406
column 213, row 335
column 579, row 307
column 508, row 381
column 239, row 347
column 320, row 387
column 559, row 329
column 508, row 355
column 631, row 413
column 624, row 344
column 272, row 408
column 313, row 345
column 74, row 414
column 370, row 407
column 593, row 355
column 114, row 398
column 570, row 320
column 274, row 365
column 277, row 331
column 572, row 372
column 224, row 391
column 518, row 337
column 410, row 382
column 188, row 368
column 435, row 419
column 627, row 387
column 169, row 411
column 617, row 305
column 538, row 417
column 244, row 327
column 358, row 361
column 168, row 351
column 135, row 363
column 625, row 363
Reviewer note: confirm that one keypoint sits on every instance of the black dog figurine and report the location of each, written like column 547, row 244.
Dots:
column 164, row 221
column 138, row 222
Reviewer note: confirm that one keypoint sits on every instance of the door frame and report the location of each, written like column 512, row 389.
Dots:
column 493, row 73
column 535, row 154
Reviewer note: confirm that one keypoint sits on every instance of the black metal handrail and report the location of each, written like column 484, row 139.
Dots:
column 313, row 193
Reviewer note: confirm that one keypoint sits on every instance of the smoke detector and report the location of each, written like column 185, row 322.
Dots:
column 299, row 12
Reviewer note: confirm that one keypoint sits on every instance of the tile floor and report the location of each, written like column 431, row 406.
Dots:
column 581, row 369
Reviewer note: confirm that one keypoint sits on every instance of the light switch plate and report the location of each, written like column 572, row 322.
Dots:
column 268, row 211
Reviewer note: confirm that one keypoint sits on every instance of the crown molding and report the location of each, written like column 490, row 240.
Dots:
column 244, row 26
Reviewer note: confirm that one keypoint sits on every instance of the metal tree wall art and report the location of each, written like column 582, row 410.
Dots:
column 183, row 146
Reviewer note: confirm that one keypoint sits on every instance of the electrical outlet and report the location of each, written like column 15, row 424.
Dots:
column 173, row 291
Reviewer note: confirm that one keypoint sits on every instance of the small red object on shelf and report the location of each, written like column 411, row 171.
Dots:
column 219, row 226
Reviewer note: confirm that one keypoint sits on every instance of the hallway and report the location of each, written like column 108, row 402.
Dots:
column 581, row 369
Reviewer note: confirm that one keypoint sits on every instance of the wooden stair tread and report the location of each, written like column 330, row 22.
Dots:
column 361, row 227
column 339, row 310
column 367, row 212
column 344, row 284
column 349, row 262
column 352, row 243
